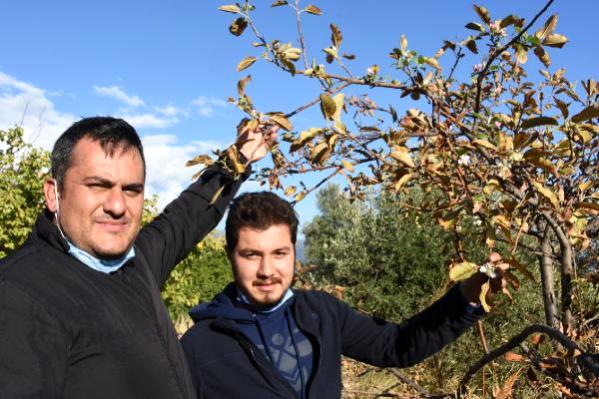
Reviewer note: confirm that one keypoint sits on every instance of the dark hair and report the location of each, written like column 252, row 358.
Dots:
column 259, row 211
column 111, row 132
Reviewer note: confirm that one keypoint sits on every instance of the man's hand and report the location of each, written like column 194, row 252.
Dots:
column 472, row 286
column 254, row 141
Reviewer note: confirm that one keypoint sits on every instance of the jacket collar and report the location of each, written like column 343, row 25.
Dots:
column 46, row 230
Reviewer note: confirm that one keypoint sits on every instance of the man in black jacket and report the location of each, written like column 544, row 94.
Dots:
column 80, row 308
column 260, row 339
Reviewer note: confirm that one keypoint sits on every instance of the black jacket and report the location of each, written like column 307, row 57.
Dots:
column 225, row 364
column 68, row 331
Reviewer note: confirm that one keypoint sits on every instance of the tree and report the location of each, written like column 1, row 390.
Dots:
column 519, row 155
column 23, row 169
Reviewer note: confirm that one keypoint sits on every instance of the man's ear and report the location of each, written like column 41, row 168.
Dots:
column 50, row 190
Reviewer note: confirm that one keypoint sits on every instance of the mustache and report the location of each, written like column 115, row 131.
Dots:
column 273, row 280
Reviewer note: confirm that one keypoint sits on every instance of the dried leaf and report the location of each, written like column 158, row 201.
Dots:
column 475, row 26
column 402, row 154
column 514, row 357
column 327, row 106
column 507, row 21
column 289, row 191
column 241, row 85
column 548, row 28
column 543, row 56
column 547, row 193
column 402, row 181
column 589, row 112
column 521, row 268
column 216, row 195
column 539, row 121
column 336, row 36
column 485, row 144
column 245, row 63
column 461, row 271
column 279, row 3
column 339, row 100
column 238, row 26
column 200, row 159
column 521, row 54
column 483, row 296
column 347, row 165
column 403, row 42
column 555, row 40
column 282, row 121
column 230, row 8
column 471, row 45
column 312, row 9
column 483, row 13
column 563, row 107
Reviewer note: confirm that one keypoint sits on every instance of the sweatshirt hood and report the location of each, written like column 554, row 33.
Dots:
column 222, row 305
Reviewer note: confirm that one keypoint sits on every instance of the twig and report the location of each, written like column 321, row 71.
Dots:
column 410, row 383
column 497, row 53
column 584, row 358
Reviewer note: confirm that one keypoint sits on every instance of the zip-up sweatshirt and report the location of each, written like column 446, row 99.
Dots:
column 68, row 331
column 225, row 363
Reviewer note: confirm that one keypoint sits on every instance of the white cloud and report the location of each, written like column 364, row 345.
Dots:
column 167, row 174
column 206, row 106
column 170, row 110
column 147, row 120
column 118, row 93
column 24, row 104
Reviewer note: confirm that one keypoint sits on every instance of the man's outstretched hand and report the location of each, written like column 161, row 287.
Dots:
column 473, row 286
column 255, row 140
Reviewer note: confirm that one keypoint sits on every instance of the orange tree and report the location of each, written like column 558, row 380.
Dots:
column 519, row 154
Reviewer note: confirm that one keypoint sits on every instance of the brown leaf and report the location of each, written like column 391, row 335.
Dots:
column 336, row 36
column 312, row 9
column 230, row 8
column 241, row 85
column 483, row 13
column 543, row 56
column 238, row 26
column 281, row 120
column 539, row 121
column 471, row 44
column 200, row 159
column 475, row 26
column 507, row 21
column 279, row 3
column 589, row 112
column 245, row 63
column 514, row 357
column 548, row 28
column 555, row 40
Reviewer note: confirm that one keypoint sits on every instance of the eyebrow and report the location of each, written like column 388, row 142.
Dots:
column 109, row 183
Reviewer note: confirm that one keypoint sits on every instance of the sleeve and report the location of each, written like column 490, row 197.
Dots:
column 386, row 344
column 184, row 222
column 33, row 347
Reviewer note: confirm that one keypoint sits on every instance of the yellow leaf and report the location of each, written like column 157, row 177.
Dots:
column 312, row 9
column 289, row 191
column 245, row 63
column 348, row 165
column 547, row 193
column 402, row 180
column 339, row 102
column 300, row 196
column 432, row 62
column 230, row 8
column 485, row 144
column 327, row 106
column 282, row 121
column 462, row 271
column 502, row 221
column 403, row 42
column 200, row 159
column 402, row 154
column 292, row 54
column 483, row 296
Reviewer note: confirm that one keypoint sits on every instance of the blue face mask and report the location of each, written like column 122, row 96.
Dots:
column 288, row 294
column 101, row 265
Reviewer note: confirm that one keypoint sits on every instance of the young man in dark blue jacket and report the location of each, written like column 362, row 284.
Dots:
column 261, row 339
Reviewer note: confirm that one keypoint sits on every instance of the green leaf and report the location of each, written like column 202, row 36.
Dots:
column 462, row 271
column 327, row 106
column 539, row 121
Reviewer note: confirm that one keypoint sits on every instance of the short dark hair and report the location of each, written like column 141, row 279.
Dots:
column 111, row 132
column 259, row 211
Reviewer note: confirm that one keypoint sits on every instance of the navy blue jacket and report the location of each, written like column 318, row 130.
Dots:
column 225, row 364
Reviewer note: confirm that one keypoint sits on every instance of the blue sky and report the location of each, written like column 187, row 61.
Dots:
column 168, row 67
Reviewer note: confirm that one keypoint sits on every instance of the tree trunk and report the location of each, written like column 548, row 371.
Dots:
column 547, row 280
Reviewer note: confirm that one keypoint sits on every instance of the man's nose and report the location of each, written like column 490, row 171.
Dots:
column 266, row 268
column 115, row 202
